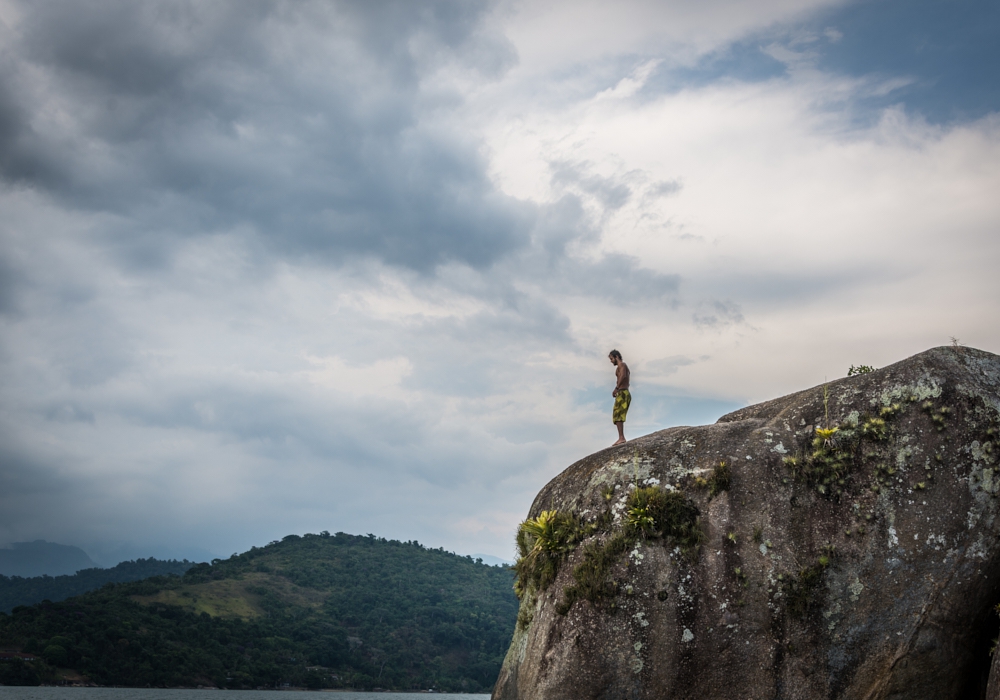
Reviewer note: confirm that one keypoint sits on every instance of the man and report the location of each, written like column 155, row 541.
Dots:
column 621, row 393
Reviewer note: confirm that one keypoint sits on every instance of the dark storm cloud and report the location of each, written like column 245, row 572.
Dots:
column 275, row 423
column 69, row 412
column 302, row 122
column 10, row 280
column 28, row 483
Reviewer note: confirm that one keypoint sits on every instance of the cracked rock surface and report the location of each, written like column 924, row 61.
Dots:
column 862, row 563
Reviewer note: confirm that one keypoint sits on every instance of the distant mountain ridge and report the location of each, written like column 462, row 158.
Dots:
column 41, row 558
column 16, row 590
column 491, row 560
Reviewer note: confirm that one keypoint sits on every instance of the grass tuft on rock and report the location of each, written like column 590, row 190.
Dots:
column 671, row 515
column 591, row 576
column 718, row 482
column 800, row 591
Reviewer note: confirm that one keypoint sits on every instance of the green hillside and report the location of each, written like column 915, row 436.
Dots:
column 15, row 590
column 319, row 611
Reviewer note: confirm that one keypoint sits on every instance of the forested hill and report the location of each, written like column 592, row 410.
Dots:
column 15, row 590
column 319, row 611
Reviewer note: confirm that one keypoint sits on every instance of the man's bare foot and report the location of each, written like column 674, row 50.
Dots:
column 621, row 441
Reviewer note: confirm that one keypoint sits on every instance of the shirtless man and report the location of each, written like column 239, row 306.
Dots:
column 621, row 393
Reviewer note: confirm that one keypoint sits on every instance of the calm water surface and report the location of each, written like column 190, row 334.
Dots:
column 34, row 693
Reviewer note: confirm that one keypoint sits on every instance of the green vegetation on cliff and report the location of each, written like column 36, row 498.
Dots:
column 15, row 590
column 651, row 512
column 315, row 611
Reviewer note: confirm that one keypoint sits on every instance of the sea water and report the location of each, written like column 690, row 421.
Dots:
column 47, row 693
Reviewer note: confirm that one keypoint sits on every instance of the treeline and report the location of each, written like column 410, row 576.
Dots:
column 15, row 590
column 333, row 611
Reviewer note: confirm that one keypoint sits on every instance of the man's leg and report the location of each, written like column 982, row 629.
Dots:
column 622, row 400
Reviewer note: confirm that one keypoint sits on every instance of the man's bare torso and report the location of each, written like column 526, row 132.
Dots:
column 622, row 373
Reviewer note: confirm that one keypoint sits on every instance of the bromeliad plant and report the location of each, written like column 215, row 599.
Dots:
column 542, row 544
column 826, row 436
column 640, row 520
column 826, row 467
column 874, row 429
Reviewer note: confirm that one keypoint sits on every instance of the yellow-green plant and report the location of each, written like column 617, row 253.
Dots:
column 890, row 411
column 542, row 543
column 639, row 520
column 826, row 436
column 874, row 428
column 548, row 532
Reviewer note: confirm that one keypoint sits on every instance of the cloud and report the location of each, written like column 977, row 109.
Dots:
column 302, row 123
column 611, row 193
column 717, row 314
column 666, row 366
column 271, row 268
column 619, row 279
column 333, row 373
column 9, row 283
column 551, row 36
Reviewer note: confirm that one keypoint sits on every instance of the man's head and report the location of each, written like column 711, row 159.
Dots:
column 615, row 357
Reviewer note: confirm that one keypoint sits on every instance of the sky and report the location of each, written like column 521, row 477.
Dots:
column 283, row 267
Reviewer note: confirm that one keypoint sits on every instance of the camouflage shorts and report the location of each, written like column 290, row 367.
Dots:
column 622, row 402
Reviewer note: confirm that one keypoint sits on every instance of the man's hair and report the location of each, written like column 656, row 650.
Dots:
column 615, row 353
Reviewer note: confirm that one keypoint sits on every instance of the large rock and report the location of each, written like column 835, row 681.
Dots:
column 866, row 567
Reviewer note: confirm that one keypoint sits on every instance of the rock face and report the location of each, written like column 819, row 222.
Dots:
column 857, row 563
